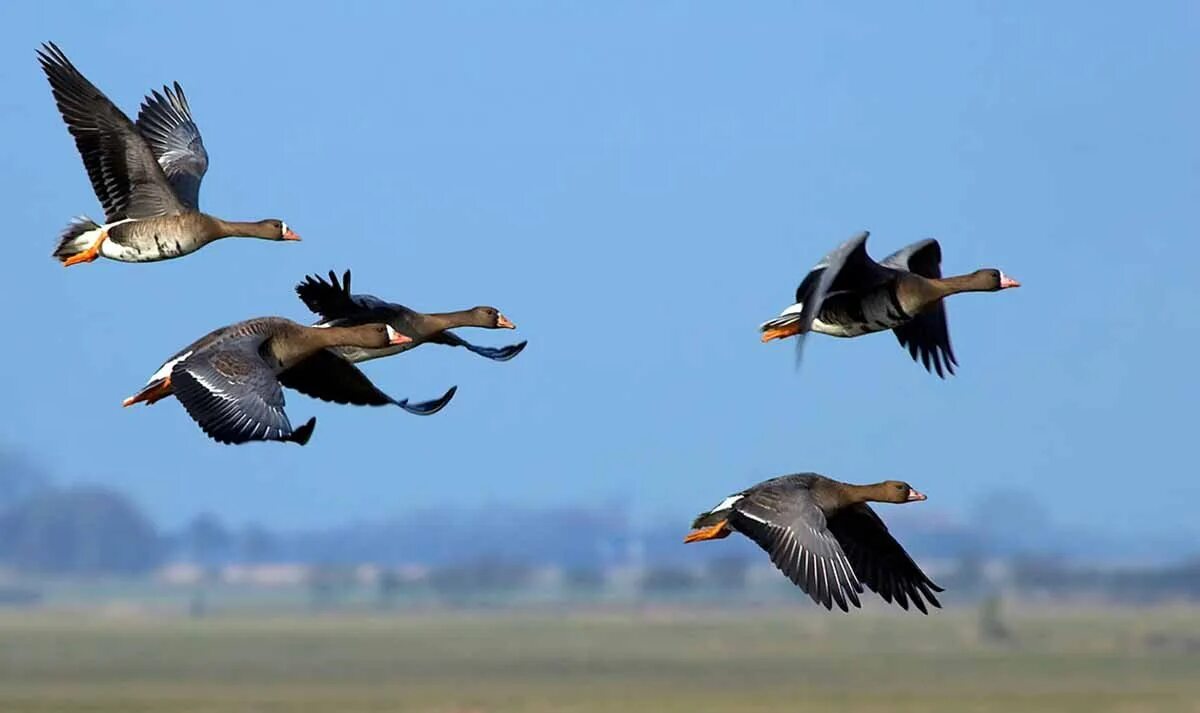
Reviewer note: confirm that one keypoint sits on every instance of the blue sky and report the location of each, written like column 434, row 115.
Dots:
column 637, row 187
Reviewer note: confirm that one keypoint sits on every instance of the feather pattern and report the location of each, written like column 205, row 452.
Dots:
column 125, row 175
column 827, row 544
column 925, row 336
column 333, row 301
column 165, row 120
column 233, row 394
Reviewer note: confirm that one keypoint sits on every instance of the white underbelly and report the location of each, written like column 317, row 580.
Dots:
column 125, row 253
column 856, row 329
column 141, row 250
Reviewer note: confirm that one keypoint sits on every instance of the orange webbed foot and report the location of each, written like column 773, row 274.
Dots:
column 88, row 255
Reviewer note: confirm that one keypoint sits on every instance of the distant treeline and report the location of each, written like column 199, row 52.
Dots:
column 94, row 530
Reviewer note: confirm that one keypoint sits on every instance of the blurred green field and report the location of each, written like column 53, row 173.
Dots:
column 1093, row 661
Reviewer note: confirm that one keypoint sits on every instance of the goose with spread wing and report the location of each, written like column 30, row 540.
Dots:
column 824, row 536
column 848, row 294
column 229, row 381
column 336, row 305
column 146, row 175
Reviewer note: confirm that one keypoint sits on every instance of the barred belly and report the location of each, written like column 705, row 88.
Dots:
column 855, row 314
column 146, row 240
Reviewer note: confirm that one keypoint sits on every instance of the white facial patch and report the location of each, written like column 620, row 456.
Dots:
column 283, row 228
column 727, row 502
column 391, row 333
column 165, row 370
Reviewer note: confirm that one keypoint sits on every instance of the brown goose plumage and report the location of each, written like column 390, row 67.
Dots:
column 229, row 380
column 822, row 534
column 146, row 175
column 848, row 294
column 338, row 306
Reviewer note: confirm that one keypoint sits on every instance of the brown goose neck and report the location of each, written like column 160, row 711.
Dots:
column 849, row 495
column 324, row 337
column 449, row 320
column 855, row 494
column 239, row 229
column 972, row 282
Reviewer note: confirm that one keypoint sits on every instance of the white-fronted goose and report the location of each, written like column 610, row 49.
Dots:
column 822, row 534
column 146, row 176
column 337, row 306
column 229, row 380
column 848, row 294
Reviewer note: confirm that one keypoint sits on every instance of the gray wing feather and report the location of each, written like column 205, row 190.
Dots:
column 886, row 568
column 926, row 336
column 848, row 267
column 792, row 530
column 231, row 392
column 124, row 173
column 165, row 120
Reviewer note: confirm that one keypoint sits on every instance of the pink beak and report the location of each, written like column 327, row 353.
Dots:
column 914, row 496
column 1006, row 282
column 395, row 338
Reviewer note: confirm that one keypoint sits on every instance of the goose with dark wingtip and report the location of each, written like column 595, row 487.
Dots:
column 848, row 294
column 336, row 305
column 229, row 380
column 146, row 175
column 822, row 534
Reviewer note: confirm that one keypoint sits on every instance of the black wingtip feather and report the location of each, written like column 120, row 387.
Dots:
column 301, row 435
column 500, row 354
column 428, row 408
column 330, row 299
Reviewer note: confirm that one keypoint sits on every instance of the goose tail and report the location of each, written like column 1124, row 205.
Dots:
column 76, row 238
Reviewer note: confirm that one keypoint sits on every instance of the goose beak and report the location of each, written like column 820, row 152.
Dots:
column 396, row 338
column 1006, row 282
column 915, row 497
column 784, row 332
column 289, row 234
column 505, row 322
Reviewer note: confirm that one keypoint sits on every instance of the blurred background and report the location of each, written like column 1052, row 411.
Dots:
column 637, row 187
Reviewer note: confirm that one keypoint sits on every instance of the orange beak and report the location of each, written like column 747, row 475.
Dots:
column 790, row 330
column 504, row 322
column 1007, row 282
column 396, row 338
column 915, row 497
column 289, row 234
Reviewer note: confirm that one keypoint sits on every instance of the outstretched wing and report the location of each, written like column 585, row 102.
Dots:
column 880, row 562
column 925, row 336
column 791, row 528
column 124, row 173
column 332, row 300
column 504, row 353
column 234, row 396
column 848, row 268
column 329, row 377
column 165, row 120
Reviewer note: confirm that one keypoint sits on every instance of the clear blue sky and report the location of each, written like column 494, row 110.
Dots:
column 637, row 187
